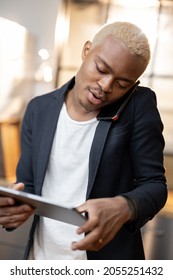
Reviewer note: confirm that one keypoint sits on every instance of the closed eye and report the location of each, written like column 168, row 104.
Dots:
column 100, row 70
column 121, row 85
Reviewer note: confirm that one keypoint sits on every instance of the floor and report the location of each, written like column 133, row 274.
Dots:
column 158, row 233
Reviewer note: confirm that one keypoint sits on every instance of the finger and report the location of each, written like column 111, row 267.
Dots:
column 91, row 222
column 88, row 226
column 14, row 220
column 15, row 210
column 6, row 201
column 94, row 246
column 90, row 242
column 18, row 220
column 82, row 208
column 16, row 223
column 18, row 186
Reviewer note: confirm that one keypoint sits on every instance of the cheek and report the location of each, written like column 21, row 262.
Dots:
column 117, row 94
column 89, row 70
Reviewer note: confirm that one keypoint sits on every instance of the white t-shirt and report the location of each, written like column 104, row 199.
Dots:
column 66, row 183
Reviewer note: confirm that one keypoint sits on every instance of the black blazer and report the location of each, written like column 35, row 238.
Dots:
column 126, row 157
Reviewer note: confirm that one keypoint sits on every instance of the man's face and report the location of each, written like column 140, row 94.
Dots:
column 106, row 74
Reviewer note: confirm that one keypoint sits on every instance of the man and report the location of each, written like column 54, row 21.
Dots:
column 95, row 143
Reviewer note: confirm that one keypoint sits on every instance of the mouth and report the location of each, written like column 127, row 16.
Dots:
column 95, row 97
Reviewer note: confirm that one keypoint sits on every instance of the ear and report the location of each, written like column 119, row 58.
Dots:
column 86, row 49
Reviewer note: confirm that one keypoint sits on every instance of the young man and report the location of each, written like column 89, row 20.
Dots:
column 95, row 143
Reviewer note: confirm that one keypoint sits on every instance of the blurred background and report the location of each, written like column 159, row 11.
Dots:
column 40, row 48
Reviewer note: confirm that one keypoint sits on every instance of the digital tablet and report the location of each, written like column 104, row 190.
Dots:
column 45, row 207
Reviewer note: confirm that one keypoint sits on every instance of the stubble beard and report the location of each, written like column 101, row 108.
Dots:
column 87, row 108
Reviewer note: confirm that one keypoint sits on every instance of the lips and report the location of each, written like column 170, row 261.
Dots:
column 94, row 97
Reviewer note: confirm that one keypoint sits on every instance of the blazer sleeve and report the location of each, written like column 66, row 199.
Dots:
column 24, row 170
column 149, row 192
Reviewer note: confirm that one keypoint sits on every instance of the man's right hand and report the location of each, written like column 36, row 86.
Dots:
column 11, row 215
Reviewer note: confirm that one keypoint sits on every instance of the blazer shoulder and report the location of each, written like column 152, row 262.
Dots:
column 57, row 93
column 146, row 92
column 45, row 97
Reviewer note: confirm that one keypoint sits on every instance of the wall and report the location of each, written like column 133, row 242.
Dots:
column 19, row 62
column 39, row 17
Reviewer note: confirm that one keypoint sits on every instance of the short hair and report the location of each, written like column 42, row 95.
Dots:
column 132, row 36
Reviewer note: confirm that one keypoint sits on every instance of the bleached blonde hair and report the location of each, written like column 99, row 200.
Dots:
column 132, row 36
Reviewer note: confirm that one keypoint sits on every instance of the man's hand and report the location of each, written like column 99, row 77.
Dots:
column 11, row 215
column 105, row 218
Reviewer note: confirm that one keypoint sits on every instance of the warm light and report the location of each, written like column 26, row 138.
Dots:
column 137, row 3
column 47, row 74
column 12, row 57
column 61, row 29
column 139, row 13
column 44, row 54
column 44, row 73
column 12, row 47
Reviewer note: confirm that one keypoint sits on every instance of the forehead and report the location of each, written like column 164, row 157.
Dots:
column 115, row 55
column 112, row 48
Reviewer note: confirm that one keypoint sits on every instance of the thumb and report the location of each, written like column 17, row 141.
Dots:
column 19, row 186
column 81, row 208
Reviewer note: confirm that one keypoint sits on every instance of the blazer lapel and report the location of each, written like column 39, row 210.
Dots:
column 106, row 116
column 47, row 139
column 53, row 112
column 96, row 151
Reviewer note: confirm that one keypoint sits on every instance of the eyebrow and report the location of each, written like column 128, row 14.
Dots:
column 110, row 69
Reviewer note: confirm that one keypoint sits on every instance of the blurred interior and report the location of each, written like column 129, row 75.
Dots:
column 40, row 46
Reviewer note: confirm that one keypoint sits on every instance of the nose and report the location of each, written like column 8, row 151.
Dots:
column 106, row 84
